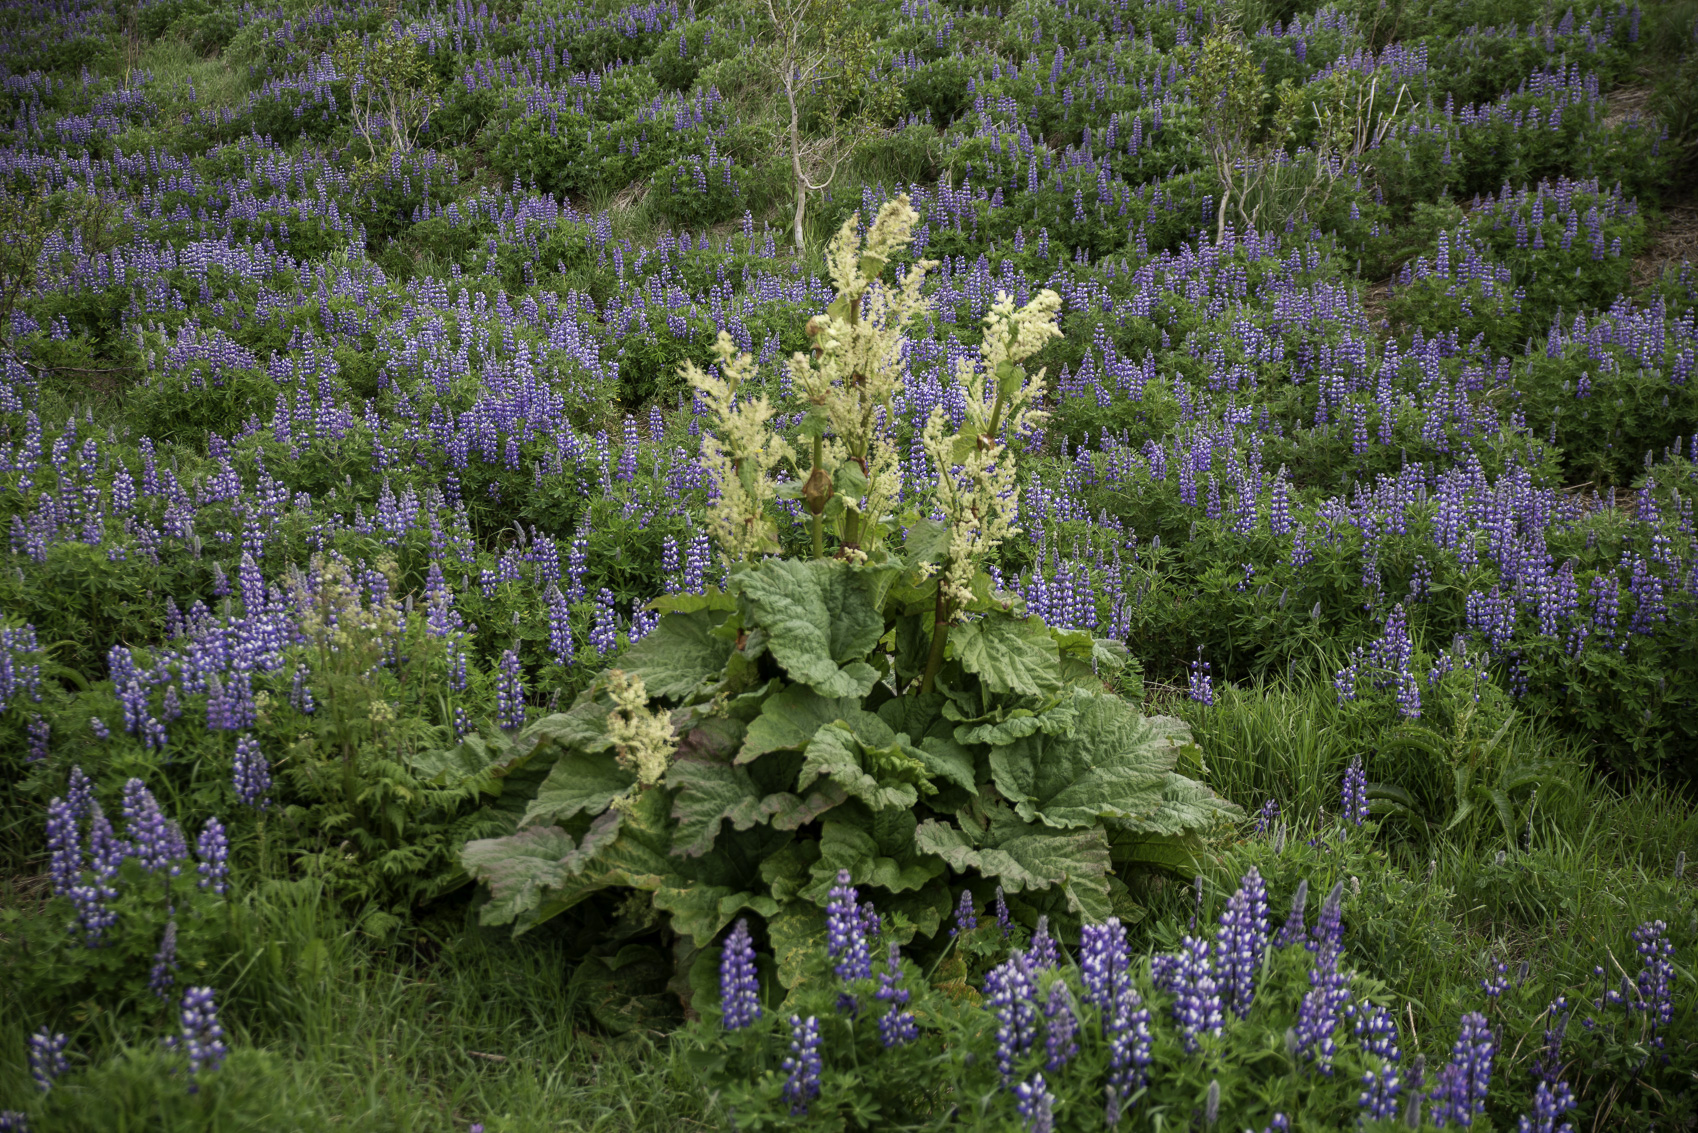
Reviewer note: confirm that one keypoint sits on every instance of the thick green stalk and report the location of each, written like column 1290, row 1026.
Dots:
column 940, row 637
column 819, row 516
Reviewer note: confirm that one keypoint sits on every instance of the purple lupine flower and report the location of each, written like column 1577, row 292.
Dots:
column 803, row 1064
column 1036, row 1104
column 895, row 1026
column 1656, row 998
column 1318, row 1016
column 47, row 1057
column 149, row 832
column 1009, row 990
column 509, row 693
column 213, row 849
column 64, row 846
column 846, row 933
column 1294, row 929
column 202, row 1038
column 1496, row 981
column 966, row 914
column 1043, row 953
column 1266, row 817
column 1127, row 1028
column 1241, row 942
column 99, row 728
column 251, row 773
column 739, row 988
column 12, row 1121
column 39, row 731
column 1376, row 1034
column 1003, row 920
column 872, row 924
column 162, row 976
column 1202, row 688
column 1329, row 926
column 1460, row 1091
column 1355, row 793
column 1550, row 1102
column 1104, row 959
column 79, row 795
column 1061, row 1025
column 1196, row 1005
column 1548, row 1066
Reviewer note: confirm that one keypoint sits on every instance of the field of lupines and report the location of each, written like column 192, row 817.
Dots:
column 1173, row 608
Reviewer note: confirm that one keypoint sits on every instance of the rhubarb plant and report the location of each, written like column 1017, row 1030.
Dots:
column 878, row 708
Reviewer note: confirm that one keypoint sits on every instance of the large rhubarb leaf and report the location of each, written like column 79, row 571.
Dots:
column 1010, row 655
column 1113, row 764
column 790, row 718
column 821, row 618
column 520, row 868
column 1025, row 855
column 679, row 655
column 708, row 795
column 579, row 783
column 882, row 775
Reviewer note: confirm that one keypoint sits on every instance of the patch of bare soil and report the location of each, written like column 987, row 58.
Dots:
column 1673, row 243
column 1627, row 102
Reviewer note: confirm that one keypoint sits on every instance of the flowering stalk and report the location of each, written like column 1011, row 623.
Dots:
column 976, row 486
column 850, row 378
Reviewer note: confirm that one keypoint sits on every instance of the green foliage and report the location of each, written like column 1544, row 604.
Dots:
column 796, row 759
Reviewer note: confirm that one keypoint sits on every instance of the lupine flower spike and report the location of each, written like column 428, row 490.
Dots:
column 803, row 1064
column 739, row 989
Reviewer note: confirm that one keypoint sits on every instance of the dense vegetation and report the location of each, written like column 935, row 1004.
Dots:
column 908, row 680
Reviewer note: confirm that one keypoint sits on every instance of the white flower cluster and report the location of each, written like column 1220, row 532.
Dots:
column 977, row 488
column 740, row 459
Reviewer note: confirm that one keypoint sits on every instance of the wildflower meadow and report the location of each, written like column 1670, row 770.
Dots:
column 1000, row 565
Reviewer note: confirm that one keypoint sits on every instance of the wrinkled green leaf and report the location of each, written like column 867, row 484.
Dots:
column 708, row 795
column 1008, row 654
column 700, row 911
column 678, row 655
column 1025, row 856
column 789, row 719
column 797, row 933
column 520, row 868
column 1114, row 764
column 837, row 754
column 895, row 865
column 579, row 783
column 821, row 617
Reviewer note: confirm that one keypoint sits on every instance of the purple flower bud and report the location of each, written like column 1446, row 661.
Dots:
column 213, row 848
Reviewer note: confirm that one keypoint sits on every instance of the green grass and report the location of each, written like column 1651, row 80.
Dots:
column 330, row 1030
column 455, row 1024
